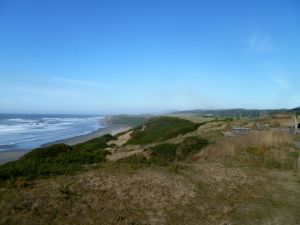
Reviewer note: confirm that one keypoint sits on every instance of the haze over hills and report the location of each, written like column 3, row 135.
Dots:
column 233, row 112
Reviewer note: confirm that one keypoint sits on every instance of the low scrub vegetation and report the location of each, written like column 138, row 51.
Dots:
column 160, row 129
column 270, row 149
column 95, row 144
column 134, row 161
column 175, row 152
column 56, row 159
column 128, row 120
column 166, row 153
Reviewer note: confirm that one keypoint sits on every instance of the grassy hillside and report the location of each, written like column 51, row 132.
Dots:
column 175, row 152
column 127, row 120
column 189, row 178
column 64, row 159
column 56, row 159
column 160, row 129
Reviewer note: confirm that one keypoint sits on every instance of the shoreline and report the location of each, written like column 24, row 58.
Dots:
column 12, row 155
column 113, row 130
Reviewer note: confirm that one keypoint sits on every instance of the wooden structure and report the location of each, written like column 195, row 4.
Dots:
column 262, row 126
column 297, row 124
column 240, row 130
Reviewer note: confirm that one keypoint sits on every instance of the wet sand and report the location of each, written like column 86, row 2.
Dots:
column 11, row 155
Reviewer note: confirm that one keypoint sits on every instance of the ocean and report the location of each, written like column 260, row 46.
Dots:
column 28, row 131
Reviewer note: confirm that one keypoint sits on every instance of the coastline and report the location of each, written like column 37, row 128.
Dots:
column 113, row 130
column 12, row 155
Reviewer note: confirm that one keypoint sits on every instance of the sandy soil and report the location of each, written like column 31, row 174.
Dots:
column 123, row 154
column 121, row 139
column 11, row 155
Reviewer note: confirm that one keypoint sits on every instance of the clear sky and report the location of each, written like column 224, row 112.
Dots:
column 141, row 56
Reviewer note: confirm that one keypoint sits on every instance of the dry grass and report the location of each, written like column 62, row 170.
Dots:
column 198, row 192
column 255, row 139
column 284, row 121
column 97, row 197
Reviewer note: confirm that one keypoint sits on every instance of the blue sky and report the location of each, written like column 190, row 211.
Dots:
column 136, row 56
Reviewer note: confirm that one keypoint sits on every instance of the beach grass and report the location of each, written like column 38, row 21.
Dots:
column 160, row 129
column 56, row 159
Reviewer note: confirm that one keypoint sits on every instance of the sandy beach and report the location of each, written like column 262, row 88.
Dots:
column 82, row 138
column 11, row 155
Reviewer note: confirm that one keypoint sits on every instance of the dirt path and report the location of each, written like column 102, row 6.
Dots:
column 121, row 139
column 123, row 154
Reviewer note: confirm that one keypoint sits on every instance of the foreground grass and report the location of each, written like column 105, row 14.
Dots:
column 195, row 193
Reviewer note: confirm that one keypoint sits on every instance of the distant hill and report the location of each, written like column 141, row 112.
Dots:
column 239, row 112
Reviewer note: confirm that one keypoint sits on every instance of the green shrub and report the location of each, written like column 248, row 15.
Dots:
column 135, row 161
column 96, row 143
column 272, row 164
column 160, row 129
column 191, row 146
column 128, row 120
column 293, row 154
column 56, row 159
column 164, row 152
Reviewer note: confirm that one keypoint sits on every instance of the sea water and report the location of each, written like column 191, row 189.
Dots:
column 33, row 130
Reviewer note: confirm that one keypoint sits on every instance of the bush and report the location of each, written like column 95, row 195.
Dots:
column 128, row 120
column 191, row 146
column 160, row 129
column 273, row 164
column 165, row 153
column 95, row 144
column 135, row 161
column 56, row 159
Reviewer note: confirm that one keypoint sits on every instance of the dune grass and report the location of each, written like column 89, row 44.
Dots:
column 56, row 159
column 95, row 144
column 128, row 120
column 270, row 149
column 160, row 129
column 167, row 153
